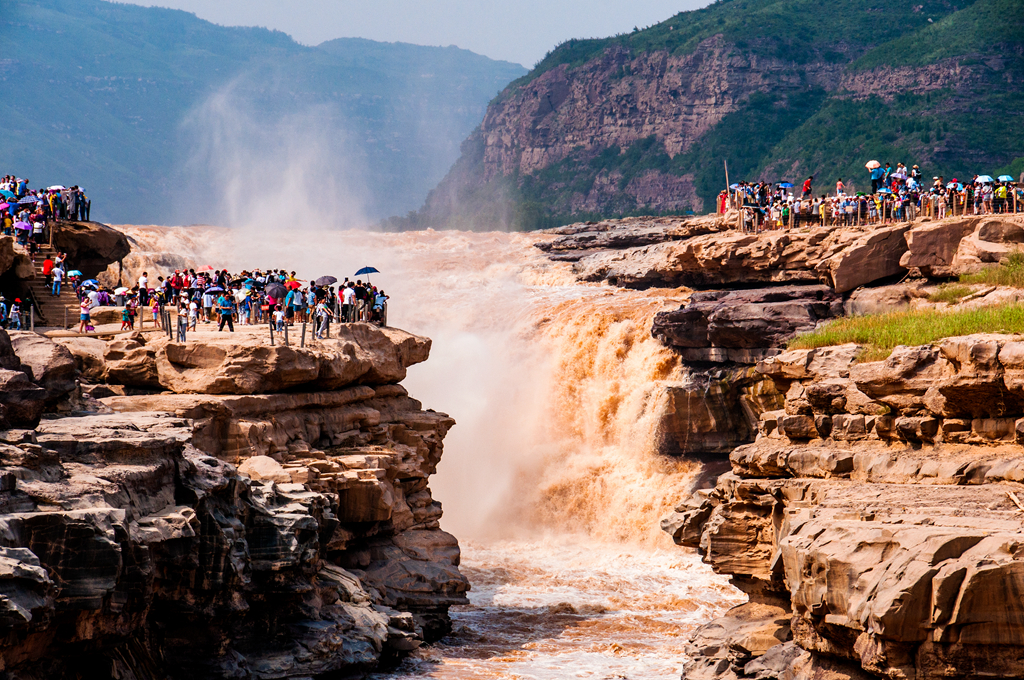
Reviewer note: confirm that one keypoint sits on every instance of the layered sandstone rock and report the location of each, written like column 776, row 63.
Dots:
column 268, row 517
column 709, row 252
column 248, row 363
column 692, row 253
column 744, row 326
column 91, row 246
column 575, row 241
column 879, row 506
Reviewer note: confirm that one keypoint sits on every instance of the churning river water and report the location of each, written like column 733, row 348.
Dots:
column 551, row 479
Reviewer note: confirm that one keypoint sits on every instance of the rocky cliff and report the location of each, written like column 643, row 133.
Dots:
column 753, row 292
column 876, row 521
column 218, row 508
column 643, row 122
column 871, row 510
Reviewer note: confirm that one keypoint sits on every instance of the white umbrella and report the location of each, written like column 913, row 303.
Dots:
column 56, row 187
column 871, row 165
column 121, row 291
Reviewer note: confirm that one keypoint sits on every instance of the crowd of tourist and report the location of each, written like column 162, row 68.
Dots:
column 896, row 195
column 26, row 211
column 273, row 297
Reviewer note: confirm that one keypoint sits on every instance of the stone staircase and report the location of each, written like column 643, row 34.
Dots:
column 52, row 307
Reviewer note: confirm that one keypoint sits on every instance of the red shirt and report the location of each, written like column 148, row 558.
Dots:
column 47, row 266
column 807, row 186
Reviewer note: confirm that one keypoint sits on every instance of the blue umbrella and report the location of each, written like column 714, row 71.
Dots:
column 367, row 270
column 883, row 190
column 74, row 272
column 733, row 186
column 7, row 194
column 984, row 179
column 955, row 185
column 786, row 185
column 1005, row 178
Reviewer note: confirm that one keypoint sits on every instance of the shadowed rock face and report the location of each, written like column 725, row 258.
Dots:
column 720, row 335
column 90, row 245
column 876, row 508
column 758, row 319
column 242, row 533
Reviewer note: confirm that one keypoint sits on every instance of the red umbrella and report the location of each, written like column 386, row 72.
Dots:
column 293, row 285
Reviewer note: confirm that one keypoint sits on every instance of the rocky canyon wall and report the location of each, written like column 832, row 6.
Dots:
column 876, row 521
column 219, row 507
column 871, row 511
column 645, row 130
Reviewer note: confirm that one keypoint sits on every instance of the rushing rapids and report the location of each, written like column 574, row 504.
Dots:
column 551, row 478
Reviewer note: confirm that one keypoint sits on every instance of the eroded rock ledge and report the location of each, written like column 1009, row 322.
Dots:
column 218, row 508
column 873, row 521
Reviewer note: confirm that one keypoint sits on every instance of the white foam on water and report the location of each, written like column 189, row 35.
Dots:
column 566, row 606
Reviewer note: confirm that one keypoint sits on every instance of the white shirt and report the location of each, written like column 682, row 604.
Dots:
column 349, row 296
column 143, row 282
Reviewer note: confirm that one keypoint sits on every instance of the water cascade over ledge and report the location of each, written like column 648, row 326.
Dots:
column 551, row 480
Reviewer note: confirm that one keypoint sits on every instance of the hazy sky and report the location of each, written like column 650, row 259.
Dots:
column 514, row 30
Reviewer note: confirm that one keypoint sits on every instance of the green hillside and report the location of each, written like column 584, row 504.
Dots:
column 802, row 123
column 106, row 95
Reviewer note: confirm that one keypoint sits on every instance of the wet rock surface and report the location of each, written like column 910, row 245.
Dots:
column 224, row 509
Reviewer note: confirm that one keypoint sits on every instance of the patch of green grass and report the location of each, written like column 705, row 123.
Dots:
column 878, row 334
column 950, row 293
column 1010, row 274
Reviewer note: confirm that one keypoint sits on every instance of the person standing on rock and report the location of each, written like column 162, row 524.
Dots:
column 323, row 314
column 14, row 318
column 144, row 288
column 348, row 302
column 807, row 186
column 86, row 306
column 224, row 308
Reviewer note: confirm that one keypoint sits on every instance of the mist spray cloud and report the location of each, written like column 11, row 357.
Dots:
column 289, row 167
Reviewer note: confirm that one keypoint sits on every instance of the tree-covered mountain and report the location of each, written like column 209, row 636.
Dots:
column 781, row 89
column 153, row 111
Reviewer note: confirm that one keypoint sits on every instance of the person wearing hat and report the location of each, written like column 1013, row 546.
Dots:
column 15, row 315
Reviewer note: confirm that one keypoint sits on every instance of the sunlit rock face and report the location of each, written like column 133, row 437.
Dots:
column 880, row 509
column 219, row 508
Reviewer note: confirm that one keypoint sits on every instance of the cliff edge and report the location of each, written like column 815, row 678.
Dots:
column 219, row 507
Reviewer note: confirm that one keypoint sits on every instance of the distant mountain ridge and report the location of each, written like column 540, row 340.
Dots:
column 641, row 123
column 100, row 94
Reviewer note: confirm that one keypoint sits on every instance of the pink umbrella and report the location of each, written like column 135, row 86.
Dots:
column 25, row 226
column 4, row 206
